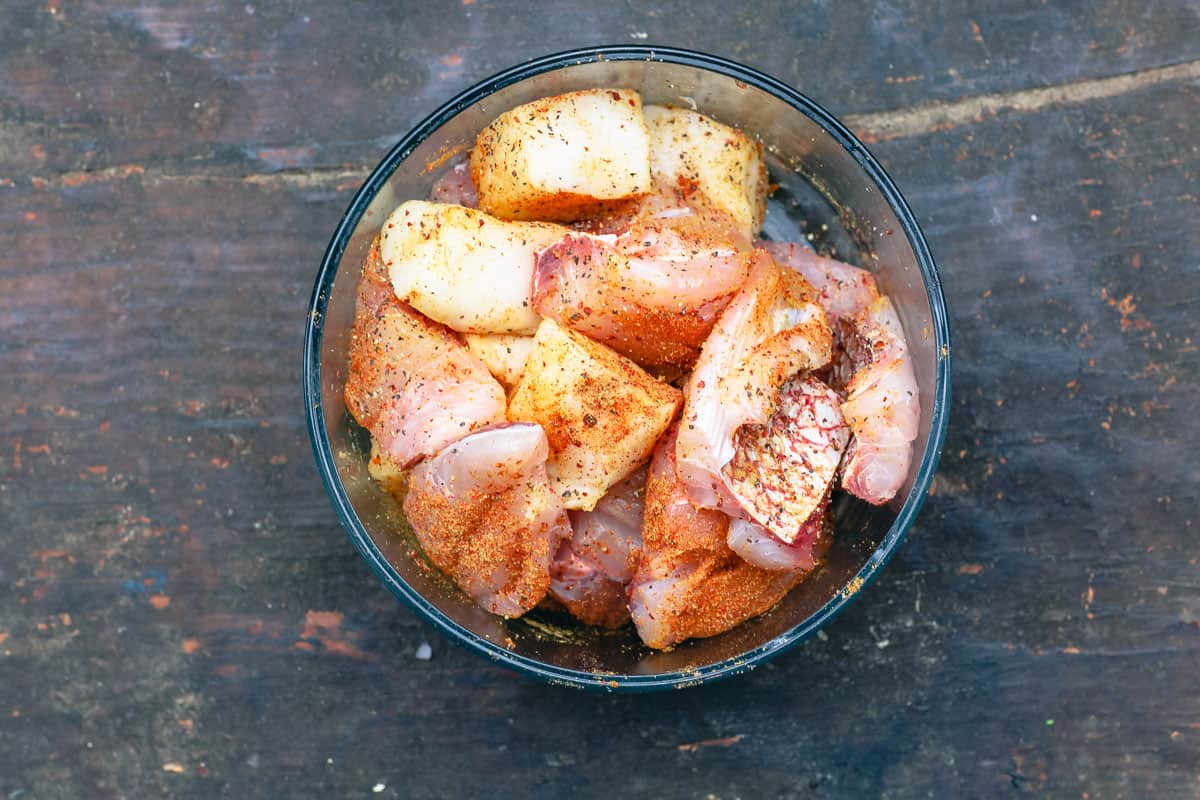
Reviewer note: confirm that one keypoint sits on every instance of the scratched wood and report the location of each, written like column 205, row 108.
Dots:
column 182, row 616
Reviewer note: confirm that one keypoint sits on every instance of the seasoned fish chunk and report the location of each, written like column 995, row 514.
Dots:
column 689, row 583
column 504, row 354
column 761, row 548
column 843, row 290
column 652, row 292
column 781, row 472
column 592, row 570
column 601, row 411
column 484, row 513
column 769, row 332
column 694, row 153
column 464, row 268
column 563, row 158
column 882, row 404
column 412, row 383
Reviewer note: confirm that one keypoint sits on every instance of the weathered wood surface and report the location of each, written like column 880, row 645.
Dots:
column 182, row 616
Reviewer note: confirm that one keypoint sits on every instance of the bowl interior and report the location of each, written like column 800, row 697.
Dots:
column 827, row 196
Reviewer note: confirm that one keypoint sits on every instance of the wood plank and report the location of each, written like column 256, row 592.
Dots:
column 266, row 86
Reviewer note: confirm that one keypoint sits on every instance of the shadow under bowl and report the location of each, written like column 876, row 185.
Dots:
column 832, row 193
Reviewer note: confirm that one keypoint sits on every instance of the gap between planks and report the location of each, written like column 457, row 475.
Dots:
column 871, row 127
column 927, row 118
column 315, row 177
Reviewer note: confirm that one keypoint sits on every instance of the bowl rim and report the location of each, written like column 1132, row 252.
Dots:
column 561, row 675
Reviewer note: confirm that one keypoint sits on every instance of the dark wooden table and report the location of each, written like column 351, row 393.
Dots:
column 182, row 616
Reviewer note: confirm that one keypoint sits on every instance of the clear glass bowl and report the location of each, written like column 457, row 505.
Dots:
column 832, row 192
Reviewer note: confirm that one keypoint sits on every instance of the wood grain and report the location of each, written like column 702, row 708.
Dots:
column 180, row 614
column 282, row 86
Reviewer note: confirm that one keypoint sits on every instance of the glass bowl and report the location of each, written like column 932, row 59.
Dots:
column 832, row 193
